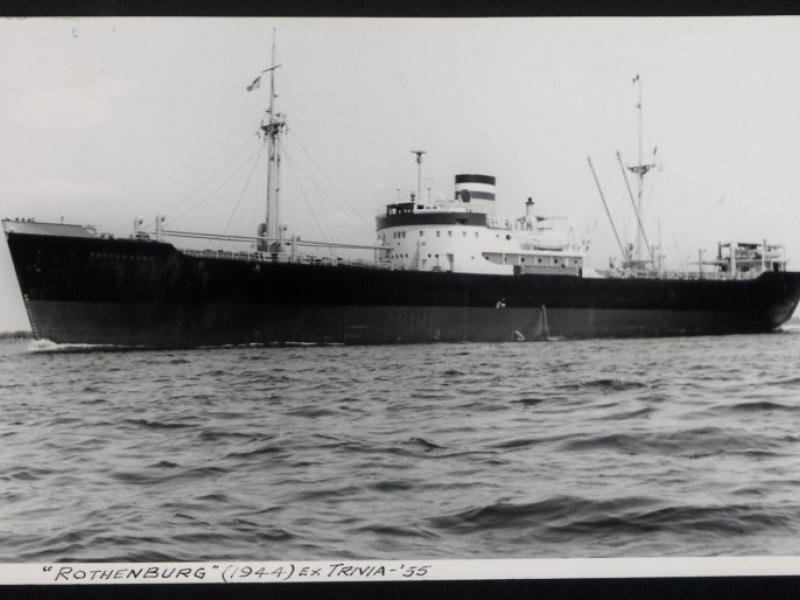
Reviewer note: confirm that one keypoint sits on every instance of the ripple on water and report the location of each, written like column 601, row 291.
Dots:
column 575, row 448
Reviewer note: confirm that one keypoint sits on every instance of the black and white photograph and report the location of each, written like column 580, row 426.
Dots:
column 406, row 289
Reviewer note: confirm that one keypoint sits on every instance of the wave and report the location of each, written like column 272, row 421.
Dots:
column 397, row 531
column 604, row 385
column 311, row 412
column 452, row 373
column 566, row 516
column 760, row 406
column 690, row 443
column 548, row 512
column 158, row 424
column 428, row 445
column 391, row 485
column 209, row 435
column 266, row 449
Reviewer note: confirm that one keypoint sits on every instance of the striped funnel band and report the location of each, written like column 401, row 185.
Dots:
column 475, row 187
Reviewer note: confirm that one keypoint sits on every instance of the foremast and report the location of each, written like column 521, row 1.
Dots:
column 271, row 233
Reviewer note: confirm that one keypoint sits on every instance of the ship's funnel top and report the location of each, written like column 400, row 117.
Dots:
column 471, row 188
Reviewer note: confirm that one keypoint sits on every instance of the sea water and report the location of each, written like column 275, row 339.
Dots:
column 645, row 447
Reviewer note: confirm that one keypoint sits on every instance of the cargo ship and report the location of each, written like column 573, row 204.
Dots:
column 439, row 271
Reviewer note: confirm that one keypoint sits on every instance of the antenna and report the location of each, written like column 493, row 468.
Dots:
column 419, row 154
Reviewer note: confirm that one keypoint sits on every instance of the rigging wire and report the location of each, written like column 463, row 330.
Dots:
column 244, row 189
column 590, row 233
column 360, row 222
column 210, row 177
column 296, row 166
column 324, row 193
column 308, row 204
column 358, row 217
column 216, row 189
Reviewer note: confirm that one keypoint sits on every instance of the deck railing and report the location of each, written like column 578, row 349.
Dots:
column 266, row 257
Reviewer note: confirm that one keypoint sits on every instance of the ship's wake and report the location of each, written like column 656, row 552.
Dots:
column 791, row 326
column 45, row 346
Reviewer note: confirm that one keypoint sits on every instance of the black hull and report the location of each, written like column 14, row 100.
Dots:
column 144, row 293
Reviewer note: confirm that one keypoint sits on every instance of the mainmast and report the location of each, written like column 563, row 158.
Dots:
column 272, row 129
column 640, row 170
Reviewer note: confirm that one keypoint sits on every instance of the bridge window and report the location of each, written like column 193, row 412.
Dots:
column 438, row 234
column 449, row 234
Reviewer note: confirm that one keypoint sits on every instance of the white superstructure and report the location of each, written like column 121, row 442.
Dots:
column 462, row 235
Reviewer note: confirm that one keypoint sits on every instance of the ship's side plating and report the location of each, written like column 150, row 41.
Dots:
column 89, row 289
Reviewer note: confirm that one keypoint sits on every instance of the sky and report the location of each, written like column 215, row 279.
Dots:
column 105, row 119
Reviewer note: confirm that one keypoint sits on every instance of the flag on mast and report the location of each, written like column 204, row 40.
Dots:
column 255, row 85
